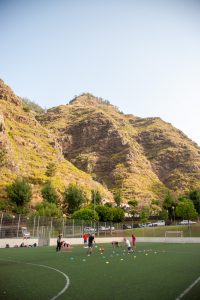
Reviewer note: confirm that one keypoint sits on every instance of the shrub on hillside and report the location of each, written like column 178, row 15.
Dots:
column 20, row 192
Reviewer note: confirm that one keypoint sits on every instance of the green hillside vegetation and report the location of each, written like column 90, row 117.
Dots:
column 29, row 105
column 89, row 142
column 30, row 148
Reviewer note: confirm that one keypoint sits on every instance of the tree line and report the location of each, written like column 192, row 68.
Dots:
column 75, row 204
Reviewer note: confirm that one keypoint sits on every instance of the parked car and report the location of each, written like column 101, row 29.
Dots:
column 102, row 228
column 186, row 222
column 127, row 226
column 147, row 224
column 24, row 232
column 89, row 229
column 135, row 225
column 130, row 226
column 158, row 223
column 110, row 228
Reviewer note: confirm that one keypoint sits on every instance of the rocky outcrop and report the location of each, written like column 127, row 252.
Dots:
column 27, row 148
column 144, row 157
column 2, row 125
column 7, row 94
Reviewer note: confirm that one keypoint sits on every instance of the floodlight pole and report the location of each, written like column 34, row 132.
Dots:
column 173, row 213
column 94, row 203
column 18, row 226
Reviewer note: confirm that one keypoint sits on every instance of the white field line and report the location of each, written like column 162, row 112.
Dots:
column 66, row 277
column 188, row 289
column 44, row 266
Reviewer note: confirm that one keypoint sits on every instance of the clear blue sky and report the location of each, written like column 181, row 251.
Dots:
column 142, row 56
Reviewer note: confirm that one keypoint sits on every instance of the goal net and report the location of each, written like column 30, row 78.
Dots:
column 43, row 236
column 174, row 236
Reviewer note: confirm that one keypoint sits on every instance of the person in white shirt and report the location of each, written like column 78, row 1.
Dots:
column 128, row 244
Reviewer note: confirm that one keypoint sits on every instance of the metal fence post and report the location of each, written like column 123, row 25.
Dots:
column 82, row 227
column 18, row 226
column 38, row 226
column 34, row 227
column 1, row 220
column 73, row 228
column 63, row 227
column 51, row 229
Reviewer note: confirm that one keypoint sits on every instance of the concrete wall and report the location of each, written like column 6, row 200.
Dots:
column 168, row 239
column 79, row 241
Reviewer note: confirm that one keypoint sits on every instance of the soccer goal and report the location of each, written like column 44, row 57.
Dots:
column 174, row 236
column 43, row 236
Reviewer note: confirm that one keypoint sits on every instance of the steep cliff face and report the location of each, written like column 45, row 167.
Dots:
column 98, row 139
column 26, row 149
column 144, row 157
column 174, row 158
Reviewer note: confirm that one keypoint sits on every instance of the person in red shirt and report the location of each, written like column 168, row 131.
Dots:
column 133, row 241
column 85, row 239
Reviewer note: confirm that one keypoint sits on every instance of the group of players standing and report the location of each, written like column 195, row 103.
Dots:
column 89, row 242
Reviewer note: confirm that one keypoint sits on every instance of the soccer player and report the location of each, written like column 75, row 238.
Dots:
column 133, row 241
column 85, row 239
column 59, row 242
column 128, row 244
column 115, row 244
column 91, row 242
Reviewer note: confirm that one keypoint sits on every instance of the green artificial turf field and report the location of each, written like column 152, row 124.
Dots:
column 154, row 271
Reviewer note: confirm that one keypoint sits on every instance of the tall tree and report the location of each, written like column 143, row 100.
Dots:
column 86, row 214
column 118, row 214
column 20, row 192
column 194, row 195
column 186, row 209
column 133, row 207
column 48, row 209
column 118, row 197
column 73, row 197
column 104, row 213
column 96, row 197
column 144, row 214
column 169, row 205
column 49, row 193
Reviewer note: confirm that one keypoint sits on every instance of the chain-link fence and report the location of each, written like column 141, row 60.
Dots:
column 19, row 226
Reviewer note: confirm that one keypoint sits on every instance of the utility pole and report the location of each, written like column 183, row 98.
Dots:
column 173, row 213
column 94, row 202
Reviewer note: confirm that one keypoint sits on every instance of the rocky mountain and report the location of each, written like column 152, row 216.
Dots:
column 94, row 144
column 27, row 148
column 144, row 157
